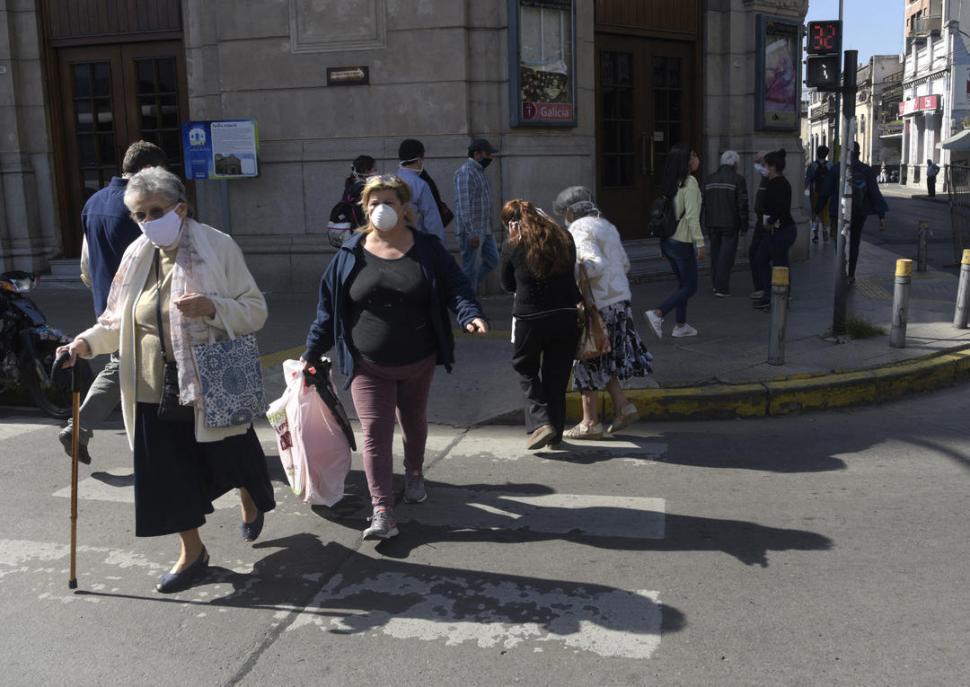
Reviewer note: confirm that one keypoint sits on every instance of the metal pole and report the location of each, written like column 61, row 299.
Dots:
column 921, row 247
column 963, row 293
column 838, row 94
column 780, row 281
column 845, row 216
column 904, row 278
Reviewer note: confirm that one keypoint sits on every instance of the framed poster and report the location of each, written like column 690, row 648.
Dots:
column 778, row 76
column 542, row 62
column 227, row 149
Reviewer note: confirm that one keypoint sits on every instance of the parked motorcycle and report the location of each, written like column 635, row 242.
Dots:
column 28, row 348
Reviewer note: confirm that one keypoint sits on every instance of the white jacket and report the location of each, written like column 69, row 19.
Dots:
column 241, row 310
column 599, row 249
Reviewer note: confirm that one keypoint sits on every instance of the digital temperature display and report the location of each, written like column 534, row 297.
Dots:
column 824, row 37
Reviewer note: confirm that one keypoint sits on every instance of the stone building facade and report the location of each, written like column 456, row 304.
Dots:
column 80, row 80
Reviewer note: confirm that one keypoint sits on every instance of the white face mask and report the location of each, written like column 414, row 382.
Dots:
column 164, row 231
column 383, row 217
column 761, row 169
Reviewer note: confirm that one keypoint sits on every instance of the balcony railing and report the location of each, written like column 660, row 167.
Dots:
column 924, row 26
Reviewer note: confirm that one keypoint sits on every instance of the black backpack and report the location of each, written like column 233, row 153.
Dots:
column 860, row 190
column 663, row 220
column 345, row 216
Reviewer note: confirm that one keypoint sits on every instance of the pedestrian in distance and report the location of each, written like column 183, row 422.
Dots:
column 685, row 248
column 600, row 252
column 760, row 234
column 383, row 308
column 427, row 217
column 726, row 218
column 108, row 231
column 473, row 213
column 347, row 215
column 180, row 284
column 932, row 170
column 779, row 225
column 815, row 177
column 538, row 266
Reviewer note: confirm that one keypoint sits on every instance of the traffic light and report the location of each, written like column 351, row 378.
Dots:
column 824, row 55
column 823, row 72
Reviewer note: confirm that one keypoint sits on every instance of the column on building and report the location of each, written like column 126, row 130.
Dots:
column 28, row 232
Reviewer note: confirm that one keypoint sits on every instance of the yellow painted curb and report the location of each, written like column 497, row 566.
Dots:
column 795, row 394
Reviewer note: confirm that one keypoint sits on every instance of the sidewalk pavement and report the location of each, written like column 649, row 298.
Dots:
column 899, row 191
column 721, row 372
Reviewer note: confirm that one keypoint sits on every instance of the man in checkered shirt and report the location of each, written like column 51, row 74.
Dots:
column 473, row 222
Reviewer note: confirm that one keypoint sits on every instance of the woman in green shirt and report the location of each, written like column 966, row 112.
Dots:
column 686, row 247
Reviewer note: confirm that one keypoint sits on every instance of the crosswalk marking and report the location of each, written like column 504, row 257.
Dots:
column 491, row 612
column 628, row 517
column 115, row 485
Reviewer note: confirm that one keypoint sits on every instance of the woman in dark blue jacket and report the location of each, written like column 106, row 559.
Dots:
column 383, row 306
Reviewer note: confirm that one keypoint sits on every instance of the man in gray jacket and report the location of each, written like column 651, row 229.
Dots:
column 726, row 218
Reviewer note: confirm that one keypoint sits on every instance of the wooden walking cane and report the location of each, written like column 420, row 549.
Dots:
column 75, row 452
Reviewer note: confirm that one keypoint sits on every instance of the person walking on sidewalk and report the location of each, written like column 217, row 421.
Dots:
column 932, row 170
column 473, row 213
column 779, row 224
column 108, row 231
column 726, row 218
column 538, row 266
column 600, row 251
column 383, row 307
column 760, row 234
column 427, row 217
column 347, row 215
column 685, row 248
column 815, row 177
column 867, row 199
column 181, row 284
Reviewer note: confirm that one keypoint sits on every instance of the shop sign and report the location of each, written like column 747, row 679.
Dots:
column 923, row 103
column 226, row 149
column 542, row 63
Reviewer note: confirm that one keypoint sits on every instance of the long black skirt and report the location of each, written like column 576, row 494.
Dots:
column 177, row 478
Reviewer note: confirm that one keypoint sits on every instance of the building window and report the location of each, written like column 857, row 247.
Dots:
column 542, row 62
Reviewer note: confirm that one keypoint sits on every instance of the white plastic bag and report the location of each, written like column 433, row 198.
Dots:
column 313, row 449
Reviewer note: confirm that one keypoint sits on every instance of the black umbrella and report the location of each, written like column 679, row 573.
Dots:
column 318, row 376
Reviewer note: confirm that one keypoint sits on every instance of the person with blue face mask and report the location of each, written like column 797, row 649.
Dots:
column 180, row 284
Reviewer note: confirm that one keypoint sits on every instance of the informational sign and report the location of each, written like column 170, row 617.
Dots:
column 224, row 149
column 777, row 79
column 542, row 47
column 923, row 103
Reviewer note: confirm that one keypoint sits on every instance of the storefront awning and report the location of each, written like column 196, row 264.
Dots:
column 959, row 142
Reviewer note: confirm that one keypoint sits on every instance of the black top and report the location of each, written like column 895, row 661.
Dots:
column 389, row 309
column 777, row 202
column 534, row 296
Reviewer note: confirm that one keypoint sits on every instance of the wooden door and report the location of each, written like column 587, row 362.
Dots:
column 112, row 96
column 645, row 92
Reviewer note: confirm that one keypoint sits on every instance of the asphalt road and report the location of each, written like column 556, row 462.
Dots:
column 901, row 235
column 823, row 549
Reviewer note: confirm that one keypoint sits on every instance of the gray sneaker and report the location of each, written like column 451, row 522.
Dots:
column 414, row 489
column 382, row 525
column 64, row 436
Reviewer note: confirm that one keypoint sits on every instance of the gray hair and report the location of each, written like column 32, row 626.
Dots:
column 729, row 157
column 576, row 199
column 156, row 180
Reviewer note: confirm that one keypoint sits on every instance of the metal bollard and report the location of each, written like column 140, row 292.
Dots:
column 963, row 293
column 921, row 247
column 780, row 281
column 904, row 278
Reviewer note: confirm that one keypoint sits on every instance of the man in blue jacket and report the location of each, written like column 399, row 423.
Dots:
column 108, row 230
column 867, row 200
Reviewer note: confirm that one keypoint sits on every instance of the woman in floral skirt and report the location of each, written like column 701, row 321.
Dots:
column 600, row 251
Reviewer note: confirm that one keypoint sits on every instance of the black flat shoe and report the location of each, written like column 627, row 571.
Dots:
column 250, row 530
column 176, row 582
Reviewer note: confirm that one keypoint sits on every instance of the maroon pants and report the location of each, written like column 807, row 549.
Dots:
column 379, row 394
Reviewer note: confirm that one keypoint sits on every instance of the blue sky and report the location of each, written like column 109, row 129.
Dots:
column 873, row 27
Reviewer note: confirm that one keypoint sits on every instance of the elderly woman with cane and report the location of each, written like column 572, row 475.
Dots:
column 383, row 308
column 180, row 284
